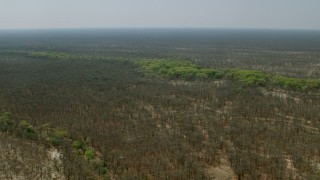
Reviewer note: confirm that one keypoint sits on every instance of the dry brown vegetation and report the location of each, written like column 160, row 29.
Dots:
column 26, row 159
column 151, row 128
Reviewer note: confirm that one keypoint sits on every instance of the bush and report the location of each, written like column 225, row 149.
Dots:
column 289, row 83
column 6, row 122
column 7, row 115
column 89, row 153
column 202, row 76
column 57, row 137
column 313, row 83
column 177, row 69
column 249, row 77
column 296, row 84
column 54, row 141
column 59, row 133
column 100, row 165
column 26, row 130
column 77, row 144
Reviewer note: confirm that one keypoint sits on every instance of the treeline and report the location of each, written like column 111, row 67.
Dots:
column 69, row 56
column 296, row 84
column 186, row 70
column 253, row 77
column 175, row 69
column 62, row 55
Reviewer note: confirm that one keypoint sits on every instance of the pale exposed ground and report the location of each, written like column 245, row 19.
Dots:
column 280, row 94
column 22, row 159
column 285, row 118
column 180, row 82
column 183, row 82
column 221, row 172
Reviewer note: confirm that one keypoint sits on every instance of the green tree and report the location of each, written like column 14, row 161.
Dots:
column 26, row 130
column 6, row 122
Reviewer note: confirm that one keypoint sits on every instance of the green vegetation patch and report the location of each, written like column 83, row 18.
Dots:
column 77, row 144
column 26, row 130
column 179, row 69
column 6, row 122
column 51, row 55
column 57, row 137
column 89, row 153
column 55, row 55
column 296, row 84
column 186, row 70
column 69, row 56
column 249, row 77
column 176, row 69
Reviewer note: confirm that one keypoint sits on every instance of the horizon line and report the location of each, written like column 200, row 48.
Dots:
column 153, row 28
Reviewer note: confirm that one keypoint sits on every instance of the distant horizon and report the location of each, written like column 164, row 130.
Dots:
column 154, row 14
column 159, row 28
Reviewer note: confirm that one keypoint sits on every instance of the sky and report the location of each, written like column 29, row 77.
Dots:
column 265, row 14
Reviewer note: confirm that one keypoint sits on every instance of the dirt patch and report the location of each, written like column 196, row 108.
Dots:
column 221, row 172
column 25, row 159
column 280, row 94
column 180, row 82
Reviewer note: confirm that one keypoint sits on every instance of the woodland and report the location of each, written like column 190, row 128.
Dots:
column 160, row 105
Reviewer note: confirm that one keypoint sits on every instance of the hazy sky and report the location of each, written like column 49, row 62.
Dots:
column 284, row 14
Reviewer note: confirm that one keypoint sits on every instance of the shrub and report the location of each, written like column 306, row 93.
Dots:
column 77, row 144
column 176, row 69
column 89, row 153
column 57, row 137
column 59, row 133
column 249, row 77
column 289, row 83
column 6, row 122
column 202, row 76
column 26, row 130
column 100, row 165
column 7, row 115
column 313, row 83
